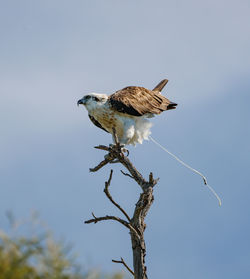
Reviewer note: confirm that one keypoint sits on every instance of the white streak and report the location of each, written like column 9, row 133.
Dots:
column 187, row 166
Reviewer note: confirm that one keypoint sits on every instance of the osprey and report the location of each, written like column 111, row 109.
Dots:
column 127, row 111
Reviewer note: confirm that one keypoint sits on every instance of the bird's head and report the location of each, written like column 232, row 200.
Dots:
column 93, row 100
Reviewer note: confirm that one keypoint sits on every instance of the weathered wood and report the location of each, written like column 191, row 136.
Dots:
column 136, row 224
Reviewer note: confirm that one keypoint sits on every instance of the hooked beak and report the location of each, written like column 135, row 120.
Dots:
column 80, row 102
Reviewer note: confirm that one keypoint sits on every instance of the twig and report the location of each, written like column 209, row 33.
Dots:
column 108, row 159
column 99, row 166
column 127, row 174
column 106, row 191
column 102, row 147
column 123, row 262
column 136, row 175
column 107, row 217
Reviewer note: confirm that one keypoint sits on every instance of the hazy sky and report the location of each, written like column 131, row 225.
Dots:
column 54, row 52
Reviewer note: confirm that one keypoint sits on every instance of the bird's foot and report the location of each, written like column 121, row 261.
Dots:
column 119, row 147
column 125, row 150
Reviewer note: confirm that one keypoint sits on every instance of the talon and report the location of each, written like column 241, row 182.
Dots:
column 124, row 150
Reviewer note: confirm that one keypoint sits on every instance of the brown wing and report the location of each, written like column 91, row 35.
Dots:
column 138, row 101
column 95, row 122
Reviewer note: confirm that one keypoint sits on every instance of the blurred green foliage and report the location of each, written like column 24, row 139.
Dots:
column 37, row 255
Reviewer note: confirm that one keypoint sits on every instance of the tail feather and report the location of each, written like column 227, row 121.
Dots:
column 172, row 106
column 160, row 85
column 158, row 88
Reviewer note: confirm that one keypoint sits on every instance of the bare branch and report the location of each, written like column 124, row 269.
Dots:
column 123, row 262
column 99, row 166
column 106, row 191
column 127, row 174
column 152, row 180
column 107, row 217
column 107, row 160
column 107, row 183
column 103, row 147
column 135, row 173
column 115, row 152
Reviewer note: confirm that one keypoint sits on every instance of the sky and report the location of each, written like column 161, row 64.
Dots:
column 54, row 52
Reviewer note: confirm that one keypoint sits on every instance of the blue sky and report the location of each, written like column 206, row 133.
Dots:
column 54, row 52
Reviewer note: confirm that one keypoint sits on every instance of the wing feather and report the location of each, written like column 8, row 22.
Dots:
column 138, row 101
column 96, row 123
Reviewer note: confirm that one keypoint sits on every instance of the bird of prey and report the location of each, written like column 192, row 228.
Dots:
column 127, row 111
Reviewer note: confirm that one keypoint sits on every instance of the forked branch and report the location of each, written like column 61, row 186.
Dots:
column 107, row 217
column 136, row 224
column 106, row 191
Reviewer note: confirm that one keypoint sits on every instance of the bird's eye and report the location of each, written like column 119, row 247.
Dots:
column 96, row 99
column 87, row 97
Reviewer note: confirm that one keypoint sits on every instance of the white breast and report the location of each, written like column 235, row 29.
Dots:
column 130, row 129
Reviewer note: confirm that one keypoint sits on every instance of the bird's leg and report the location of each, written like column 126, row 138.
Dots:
column 117, row 145
column 123, row 149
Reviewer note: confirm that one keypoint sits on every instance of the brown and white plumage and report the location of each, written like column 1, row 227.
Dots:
column 139, row 101
column 127, row 111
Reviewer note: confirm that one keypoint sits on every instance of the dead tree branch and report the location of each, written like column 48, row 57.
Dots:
column 107, row 217
column 136, row 224
column 115, row 152
column 106, row 191
column 127, row 174
column 123, row 262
